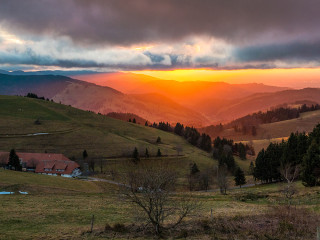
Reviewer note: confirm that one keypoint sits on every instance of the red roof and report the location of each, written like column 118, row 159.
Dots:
column 54, row 163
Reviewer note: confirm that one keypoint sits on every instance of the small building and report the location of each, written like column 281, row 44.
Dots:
column 46, row 163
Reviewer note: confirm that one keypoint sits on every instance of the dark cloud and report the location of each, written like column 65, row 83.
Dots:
column 289, row 52
column 128, row 22
column 29, row 57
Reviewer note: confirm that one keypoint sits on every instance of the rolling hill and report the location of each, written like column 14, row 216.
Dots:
column 67, row 130
column 87, row 96
column 274, row 132
column 201, row 96
column 230, row 110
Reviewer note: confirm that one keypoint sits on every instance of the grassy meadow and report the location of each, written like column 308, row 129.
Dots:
column 70, row 131
column 60, row 208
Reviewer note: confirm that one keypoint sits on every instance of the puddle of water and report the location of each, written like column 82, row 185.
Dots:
column 9, row 193
column 6, row 193
column 23, row 192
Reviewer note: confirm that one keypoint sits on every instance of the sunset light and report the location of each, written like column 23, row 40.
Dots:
column 295, row 77
column 160, row 119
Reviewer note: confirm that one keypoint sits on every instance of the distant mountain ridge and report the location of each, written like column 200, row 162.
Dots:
column 48, row 72
column 191, row 103
column 196, row 95
column 264, row 101
column 88, row 96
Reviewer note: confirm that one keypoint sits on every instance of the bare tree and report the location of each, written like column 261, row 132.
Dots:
column 205, row 179
column 151, row 189
column 289, row 173
column 222, row 173
column 91, row 163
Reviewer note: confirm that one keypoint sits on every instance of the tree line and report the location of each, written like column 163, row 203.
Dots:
column 191, row 134
column 248, row 124
column 33, row 95
column 301, row 151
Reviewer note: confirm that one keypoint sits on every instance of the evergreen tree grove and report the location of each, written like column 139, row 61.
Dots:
column 311, row 166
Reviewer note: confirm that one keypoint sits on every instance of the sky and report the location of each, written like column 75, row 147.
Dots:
column 246, row 39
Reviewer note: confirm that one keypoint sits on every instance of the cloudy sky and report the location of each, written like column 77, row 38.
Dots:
column 137, row 35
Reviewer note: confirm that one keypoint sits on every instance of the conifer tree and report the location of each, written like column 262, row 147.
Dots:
column 251, row 168
column 311, row 166
column 159, row 154
column 14, row 161
column 84, row 154
column 135, row 155
column 134, row 120
column 194, row 169
column 242, row 151
column 239, row 178
column 147, row 153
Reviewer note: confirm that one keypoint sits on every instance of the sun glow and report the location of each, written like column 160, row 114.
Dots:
column 295, row 77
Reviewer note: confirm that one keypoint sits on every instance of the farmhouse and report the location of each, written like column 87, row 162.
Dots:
column 46, row 163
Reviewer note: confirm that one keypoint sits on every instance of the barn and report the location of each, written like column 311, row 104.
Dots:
column 46, row 163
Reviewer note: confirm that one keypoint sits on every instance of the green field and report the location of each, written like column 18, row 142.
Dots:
column 60, row 208
column 70, row 131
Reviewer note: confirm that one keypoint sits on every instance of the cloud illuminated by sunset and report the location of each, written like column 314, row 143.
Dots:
column 234, row 41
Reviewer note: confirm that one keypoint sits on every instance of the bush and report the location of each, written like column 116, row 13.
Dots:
column 250, row 197
column 119, row 227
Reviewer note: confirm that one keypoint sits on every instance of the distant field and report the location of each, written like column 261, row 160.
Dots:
column 305, row 123
column 275, row 132
column 60, row 208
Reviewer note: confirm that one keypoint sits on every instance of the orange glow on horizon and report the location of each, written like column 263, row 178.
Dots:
column 295, row 77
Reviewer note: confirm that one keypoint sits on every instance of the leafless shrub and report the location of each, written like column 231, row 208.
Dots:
column 222, row 173
column 289, row 173
column 151, row 188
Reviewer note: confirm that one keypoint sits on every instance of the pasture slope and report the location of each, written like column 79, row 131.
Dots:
column 69, row 131
column 275, row 132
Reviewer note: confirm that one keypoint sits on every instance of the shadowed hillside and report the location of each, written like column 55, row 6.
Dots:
column 264, row 101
